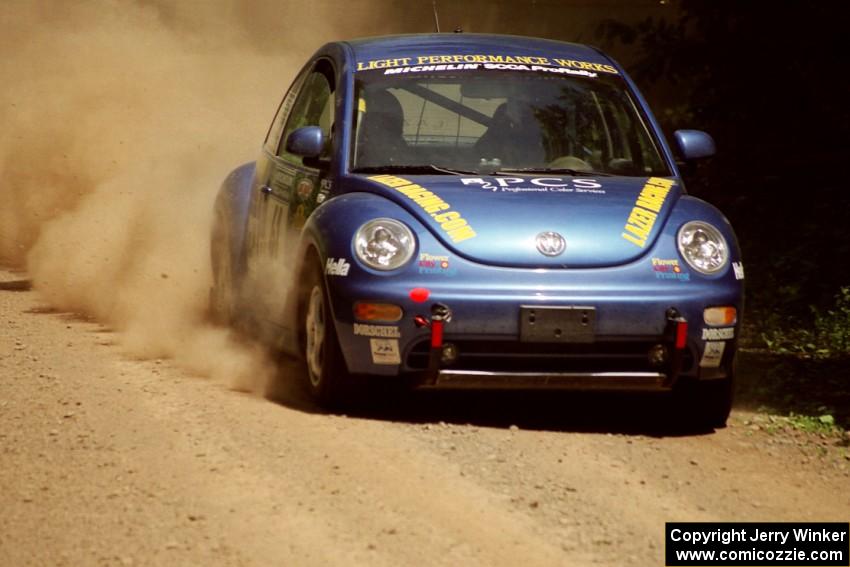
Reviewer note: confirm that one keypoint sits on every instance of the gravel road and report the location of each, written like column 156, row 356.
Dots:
column 109, row 460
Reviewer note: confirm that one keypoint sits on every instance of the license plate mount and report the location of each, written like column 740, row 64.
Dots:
column 557, row 324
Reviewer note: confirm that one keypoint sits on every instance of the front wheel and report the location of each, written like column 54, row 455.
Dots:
column 327, row 378
column 706, row 404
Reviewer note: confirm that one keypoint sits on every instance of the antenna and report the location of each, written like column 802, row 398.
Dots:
column 436, row 16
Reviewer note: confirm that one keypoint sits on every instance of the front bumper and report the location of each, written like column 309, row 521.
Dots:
column 632, row 317
column 499, row 380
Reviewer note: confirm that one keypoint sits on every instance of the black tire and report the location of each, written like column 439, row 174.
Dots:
column 326, row 377
column 705, row 404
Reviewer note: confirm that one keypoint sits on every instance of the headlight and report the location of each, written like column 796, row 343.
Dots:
column 703, row 247
column 384, row 244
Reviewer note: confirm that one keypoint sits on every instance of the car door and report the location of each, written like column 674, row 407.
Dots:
column 256, row 246
column 287, row 190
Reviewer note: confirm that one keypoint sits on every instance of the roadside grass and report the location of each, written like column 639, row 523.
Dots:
column 822, row 426
column 813, row 436
column 810, row 394
column 799, row 369
column 797, row 398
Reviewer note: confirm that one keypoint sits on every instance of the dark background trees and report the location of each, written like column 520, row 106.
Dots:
column 768, row 80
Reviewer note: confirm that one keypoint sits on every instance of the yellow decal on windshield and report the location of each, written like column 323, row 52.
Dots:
column 586, row 65
column 453, row 224
column 464, row 58
column 642, row 217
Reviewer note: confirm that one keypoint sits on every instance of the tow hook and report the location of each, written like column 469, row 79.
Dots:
column 677, row 331
column 440, row 315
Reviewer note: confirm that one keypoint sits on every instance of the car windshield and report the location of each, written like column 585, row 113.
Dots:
column 497, row 120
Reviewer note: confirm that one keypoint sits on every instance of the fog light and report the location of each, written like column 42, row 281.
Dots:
column 383, row 312
column 720, row 316
column 657, row 355
column 448, row 354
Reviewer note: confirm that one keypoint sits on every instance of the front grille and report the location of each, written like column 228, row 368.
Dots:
column 514, row 356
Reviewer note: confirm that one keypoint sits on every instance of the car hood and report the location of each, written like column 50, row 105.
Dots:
column 605, row 221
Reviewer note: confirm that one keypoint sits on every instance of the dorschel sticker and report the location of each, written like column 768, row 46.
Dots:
column 334, row 267
column 669, row 269
column 642, row 216
column 724, row 334
column 738, row 268
column 536, row 185
column 385, row 351
column 712, row 354
column 451, row 222
column 457, row 62
column 385, row 331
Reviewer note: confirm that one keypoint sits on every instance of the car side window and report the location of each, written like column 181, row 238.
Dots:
column 314, row 105
column 273, row 136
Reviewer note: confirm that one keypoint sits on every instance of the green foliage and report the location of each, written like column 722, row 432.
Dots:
column 794, row 384
column 828, row 337
column 832, row 328
column 781, row 126
column 822, row 424
column 813, row 424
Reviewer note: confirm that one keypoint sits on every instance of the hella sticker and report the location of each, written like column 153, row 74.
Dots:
column 334, row 267
column 738, row 267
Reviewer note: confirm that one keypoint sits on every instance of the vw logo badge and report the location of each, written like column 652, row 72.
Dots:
column 550, row 243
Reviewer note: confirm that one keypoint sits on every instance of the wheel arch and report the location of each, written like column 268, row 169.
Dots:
column 328, row 234
column 230, row 217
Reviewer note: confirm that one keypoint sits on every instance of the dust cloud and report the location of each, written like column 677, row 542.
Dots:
column 120, row 120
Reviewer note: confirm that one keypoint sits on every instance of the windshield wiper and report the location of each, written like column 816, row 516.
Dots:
column 422, row 168
column 568, row 171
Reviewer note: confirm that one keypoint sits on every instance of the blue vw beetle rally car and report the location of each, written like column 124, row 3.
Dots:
column 480, row 211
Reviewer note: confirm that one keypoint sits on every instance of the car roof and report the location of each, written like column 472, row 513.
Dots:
column 413, row 45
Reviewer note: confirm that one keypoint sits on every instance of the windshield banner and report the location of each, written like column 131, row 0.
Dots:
column 429, row 63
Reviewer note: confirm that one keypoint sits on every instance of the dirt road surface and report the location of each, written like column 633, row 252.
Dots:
column 107, row 460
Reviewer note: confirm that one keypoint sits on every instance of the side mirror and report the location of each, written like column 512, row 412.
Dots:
column 694, row 144
column 307, row 142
